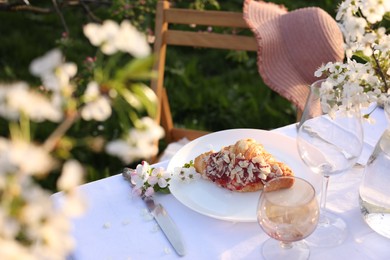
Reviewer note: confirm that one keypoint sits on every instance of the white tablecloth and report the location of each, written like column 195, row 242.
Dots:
column 116, row 225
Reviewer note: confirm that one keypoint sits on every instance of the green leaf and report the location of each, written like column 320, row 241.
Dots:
column 239, row 56
column 188, row 165
column 146, row 96
column 202, row 4
column 131, row 98
column 122, row 114
column 215, row 4
column 140, row 97
column 163, row 190
column 387, row 16
column 360, row 57
column 137, row 69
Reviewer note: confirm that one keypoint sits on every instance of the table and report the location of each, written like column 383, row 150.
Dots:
column 117, row 226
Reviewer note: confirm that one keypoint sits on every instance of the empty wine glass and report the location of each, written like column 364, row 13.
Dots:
column 329, row 144
column 287, row 215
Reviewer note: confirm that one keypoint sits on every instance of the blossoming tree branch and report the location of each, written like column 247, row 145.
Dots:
column 53, row 128
column 365, row 76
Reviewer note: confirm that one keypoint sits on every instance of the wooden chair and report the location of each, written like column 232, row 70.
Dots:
column 165, row 36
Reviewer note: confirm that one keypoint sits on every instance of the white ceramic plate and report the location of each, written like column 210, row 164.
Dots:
column 207, row 198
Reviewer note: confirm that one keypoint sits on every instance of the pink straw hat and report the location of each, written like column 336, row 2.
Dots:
column 292, row 46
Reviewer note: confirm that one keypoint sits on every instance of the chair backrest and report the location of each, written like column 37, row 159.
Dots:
column 164, row 36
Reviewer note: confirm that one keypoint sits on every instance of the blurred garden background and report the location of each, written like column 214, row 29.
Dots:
column 225, row 93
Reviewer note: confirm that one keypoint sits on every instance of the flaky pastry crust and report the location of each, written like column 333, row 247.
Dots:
column 243, row 167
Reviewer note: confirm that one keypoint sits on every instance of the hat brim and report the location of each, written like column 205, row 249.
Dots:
column 282, row 62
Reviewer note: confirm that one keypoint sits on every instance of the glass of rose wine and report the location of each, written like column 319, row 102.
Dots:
column 287, row 215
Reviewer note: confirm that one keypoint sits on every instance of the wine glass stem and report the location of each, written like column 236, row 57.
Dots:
column 285, row 245
column 325, row 183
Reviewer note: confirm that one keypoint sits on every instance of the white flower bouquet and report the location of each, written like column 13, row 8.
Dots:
column 365, row 76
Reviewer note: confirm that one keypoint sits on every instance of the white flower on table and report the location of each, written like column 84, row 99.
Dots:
column 140, row 175
column 186, row 174
column 97, row 107
column 159, row 176
column 147, row 179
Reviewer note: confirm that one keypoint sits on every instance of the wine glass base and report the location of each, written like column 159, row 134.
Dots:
column 331, row 231
column 273, row 249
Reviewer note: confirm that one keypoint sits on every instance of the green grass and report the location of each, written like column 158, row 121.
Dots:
column 209, row 91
